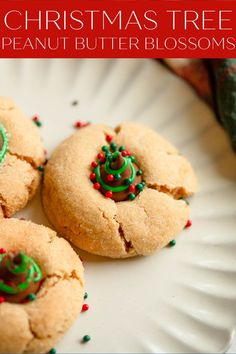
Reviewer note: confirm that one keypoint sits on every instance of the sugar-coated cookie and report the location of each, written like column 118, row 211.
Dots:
column 41, row 290
column 21, row 153
column 118, row 193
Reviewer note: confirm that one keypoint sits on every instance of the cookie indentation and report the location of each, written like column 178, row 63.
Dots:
column 116, row 174
column 20, row 277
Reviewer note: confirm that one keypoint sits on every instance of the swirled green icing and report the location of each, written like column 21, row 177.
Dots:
column 118, row 188
column 34, row 274
column 4, row 142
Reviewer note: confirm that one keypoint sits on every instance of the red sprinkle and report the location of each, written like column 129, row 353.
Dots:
column 124, row 153
column 92, row 176
column 80, row 124
column 94, row 164
column 35, row 118
column 108, row 194
column 188, row 224
column 85, row 307
column 110, row 178
column 101, row 157
column 2, row 299
column 3, row 250
column 97, row 185
column 109, row 138
column 132, row 188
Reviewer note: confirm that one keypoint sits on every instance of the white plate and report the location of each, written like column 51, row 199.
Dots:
column 182, row 299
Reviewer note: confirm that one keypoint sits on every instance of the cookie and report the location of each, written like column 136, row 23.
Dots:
column 21, row 153
column 79, row 196
column 34, row 325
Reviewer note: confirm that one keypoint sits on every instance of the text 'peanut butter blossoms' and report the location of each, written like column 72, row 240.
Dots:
column 20, row 277
column 116, row 174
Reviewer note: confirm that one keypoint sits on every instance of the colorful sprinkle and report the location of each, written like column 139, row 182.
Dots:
column 139, row 187
column 85, row 295
column 80, row 124
column 113, row 146
column 31, row 297
column 109, row 138
column 3, row 250
column 94, row 164
column 39, row 124
column 2, row 299
column 132, row 188
column 124, row 153
column 105, row 148
column 37, row 121
column 128, row 181
column 110, row 178
column 97, row 186
column 117, row 177
column 101, row 157
column 41, row 168
column 139, row 173
column 122, row 148
column 188, row 224
column 86, row 338
column 110, row 157
column 132, row 158
column 85, row 307
column 131, row 196
column 92, row 176
column 74, row 103
column 52, row 351
column 108, row 194
column 172, row 243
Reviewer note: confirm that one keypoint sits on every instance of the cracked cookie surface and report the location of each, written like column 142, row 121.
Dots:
column 19, row 177
column 118, row 229
column 34, row 327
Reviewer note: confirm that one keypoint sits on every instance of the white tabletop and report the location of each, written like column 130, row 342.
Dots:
column 233, row 346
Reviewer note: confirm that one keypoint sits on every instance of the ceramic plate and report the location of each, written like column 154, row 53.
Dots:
column 182, row 299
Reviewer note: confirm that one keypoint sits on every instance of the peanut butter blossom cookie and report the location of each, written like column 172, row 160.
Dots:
column 21, row 153
column 41, row 287
column 118, row 193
